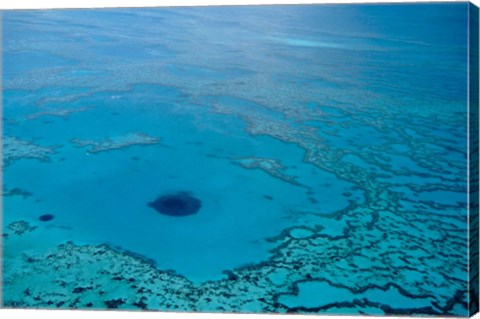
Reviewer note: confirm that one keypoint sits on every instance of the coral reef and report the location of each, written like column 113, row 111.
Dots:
column 100, row 276
column 95, row 277
column 270, row 166
column 118, row 142
column 17, row 192
column 58, row 113
column 20, row 227
column 385, row 135
column 15, row 149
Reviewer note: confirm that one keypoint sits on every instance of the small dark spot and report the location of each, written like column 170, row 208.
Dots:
column 140, row 304
column 78, row 290
column 46, row 217
column 232, row 276
column 135, row 158
column 89, row 305
column 114, row 303
column 268, row 197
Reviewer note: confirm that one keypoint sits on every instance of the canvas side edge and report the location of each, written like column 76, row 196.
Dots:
column 473, row 157
column 1, row 159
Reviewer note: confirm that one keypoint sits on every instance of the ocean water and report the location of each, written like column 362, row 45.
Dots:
column 327, row 145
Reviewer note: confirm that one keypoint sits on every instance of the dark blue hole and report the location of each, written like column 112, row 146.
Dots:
column 176, row 204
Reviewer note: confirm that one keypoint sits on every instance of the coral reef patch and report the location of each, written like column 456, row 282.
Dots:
column 57, row 113
column 115, row 143
column 270, row 166
column 20, row 227
column 15, row 149
column 16, row 192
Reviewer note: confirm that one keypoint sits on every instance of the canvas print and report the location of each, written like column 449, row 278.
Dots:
column 311, row 159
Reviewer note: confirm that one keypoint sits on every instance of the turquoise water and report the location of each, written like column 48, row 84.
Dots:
column 327, row 145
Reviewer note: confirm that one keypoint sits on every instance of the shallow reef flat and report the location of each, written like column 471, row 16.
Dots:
column 104, row 277
column 94, row 277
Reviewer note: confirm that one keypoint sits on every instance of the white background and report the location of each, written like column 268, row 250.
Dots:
column 37, row 4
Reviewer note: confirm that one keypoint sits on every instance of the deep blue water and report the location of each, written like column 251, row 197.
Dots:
column 333, row 136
